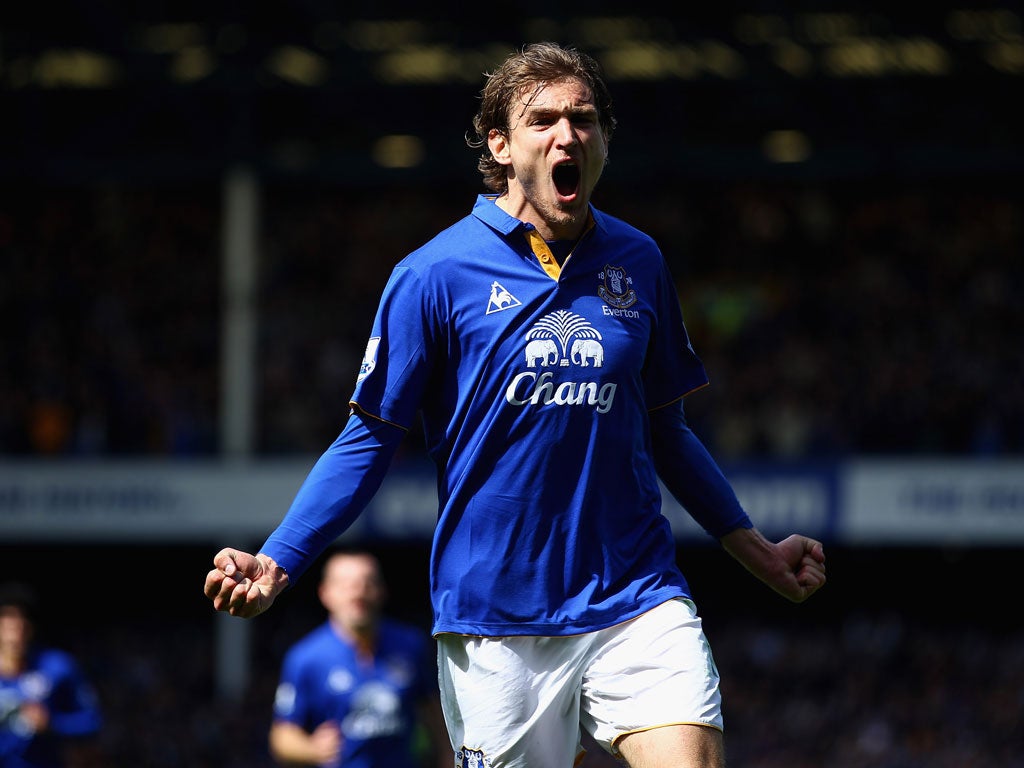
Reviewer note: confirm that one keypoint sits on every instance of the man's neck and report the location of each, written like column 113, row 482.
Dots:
column 570, row 229
column 12, row 662
column 364, row 639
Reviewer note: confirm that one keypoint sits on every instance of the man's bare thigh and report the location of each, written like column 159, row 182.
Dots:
column 674, row 746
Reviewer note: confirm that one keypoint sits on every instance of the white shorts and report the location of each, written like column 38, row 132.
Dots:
column 519, row 702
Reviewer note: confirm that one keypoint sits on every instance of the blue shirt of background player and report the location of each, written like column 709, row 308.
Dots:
column 52, row 678
column 374, row 700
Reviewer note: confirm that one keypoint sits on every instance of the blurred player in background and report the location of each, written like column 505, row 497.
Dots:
column 360, row 690
column 543, row 342
column 49, row 712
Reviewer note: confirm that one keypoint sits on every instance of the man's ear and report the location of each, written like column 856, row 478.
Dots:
column 497, row 142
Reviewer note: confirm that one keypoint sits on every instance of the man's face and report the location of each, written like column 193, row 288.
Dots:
column 555, row 153
column 352, row 591
column 15, row 629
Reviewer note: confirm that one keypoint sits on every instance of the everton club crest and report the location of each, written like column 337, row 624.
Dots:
column 616, row 288
column 472, row 758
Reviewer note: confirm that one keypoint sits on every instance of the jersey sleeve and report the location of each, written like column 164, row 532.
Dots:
column 388, row 393
column 291, row 700
column 334, row 493
column 692, row 475
column 672, row 368
column 74, row 705
column 397, row 363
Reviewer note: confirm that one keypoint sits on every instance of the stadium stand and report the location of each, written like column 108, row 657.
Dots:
column 834, row 320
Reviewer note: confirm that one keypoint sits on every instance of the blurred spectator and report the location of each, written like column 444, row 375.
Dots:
column 361, row 688
column 49, row 713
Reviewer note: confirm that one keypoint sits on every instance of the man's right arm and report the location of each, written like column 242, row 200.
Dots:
column 334, row 493
column 291, row 745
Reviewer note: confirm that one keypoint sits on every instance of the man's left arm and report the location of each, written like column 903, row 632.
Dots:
column 793, row 567
column 691, row 474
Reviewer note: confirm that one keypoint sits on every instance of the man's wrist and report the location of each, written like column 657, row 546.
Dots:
column 278, row 575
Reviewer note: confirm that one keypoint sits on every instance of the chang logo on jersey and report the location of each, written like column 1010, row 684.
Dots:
column 561, row 339
column 616, row 287
column 375, row 711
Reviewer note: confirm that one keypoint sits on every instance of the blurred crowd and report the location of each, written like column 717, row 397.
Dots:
column 873, row 689
column 834, row 319
column 876, row 689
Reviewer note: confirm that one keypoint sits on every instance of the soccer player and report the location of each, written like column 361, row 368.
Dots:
column 49, row 712
column 359, row 690
column 543, row 341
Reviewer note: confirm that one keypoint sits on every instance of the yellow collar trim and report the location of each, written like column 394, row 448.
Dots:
column 543, row 252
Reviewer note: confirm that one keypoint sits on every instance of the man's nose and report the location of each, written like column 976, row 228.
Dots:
column 566, row 132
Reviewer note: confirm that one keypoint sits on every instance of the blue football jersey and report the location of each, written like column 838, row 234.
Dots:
column 54, row 679
column 373, row 701
column 535, row 383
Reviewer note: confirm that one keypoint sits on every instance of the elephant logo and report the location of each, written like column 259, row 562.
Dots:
column 563, row 338
column 543, row 350
column 584, row 350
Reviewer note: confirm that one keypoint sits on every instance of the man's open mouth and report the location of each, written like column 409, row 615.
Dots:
column 567, row 178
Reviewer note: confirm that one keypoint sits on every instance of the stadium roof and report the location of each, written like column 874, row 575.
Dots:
column 185, row 88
